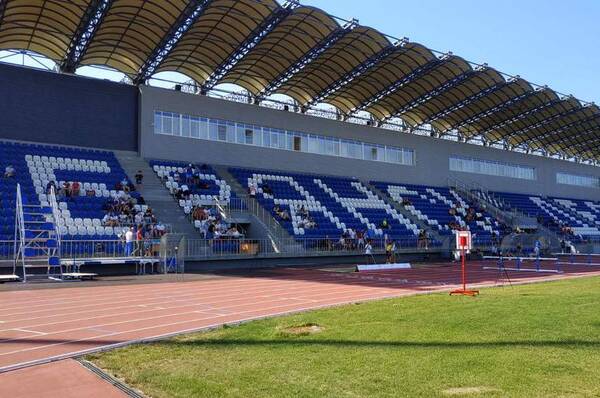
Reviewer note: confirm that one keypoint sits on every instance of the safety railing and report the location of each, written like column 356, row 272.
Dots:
column 248, row 205
column 74, row 249
column 7, row 249
column 206, row 249
column 301, row 247
column 468, row 189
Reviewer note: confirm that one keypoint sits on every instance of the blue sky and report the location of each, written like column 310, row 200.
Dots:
column 552, row 42
column 548, row 42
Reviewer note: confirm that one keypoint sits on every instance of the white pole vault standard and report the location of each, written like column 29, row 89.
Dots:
column 519, row 262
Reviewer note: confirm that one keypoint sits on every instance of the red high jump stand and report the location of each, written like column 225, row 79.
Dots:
column 463, row 243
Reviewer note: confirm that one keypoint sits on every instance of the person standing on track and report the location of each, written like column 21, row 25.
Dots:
column 389, row 252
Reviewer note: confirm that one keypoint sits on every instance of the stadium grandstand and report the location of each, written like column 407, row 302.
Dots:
column 254, row 133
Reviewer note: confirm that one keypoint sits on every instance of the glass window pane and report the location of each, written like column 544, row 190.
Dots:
column 195, row 127
column 203, row 128
column 157, row 122
column 213, row 130
column 176, row 124
column 186, row 126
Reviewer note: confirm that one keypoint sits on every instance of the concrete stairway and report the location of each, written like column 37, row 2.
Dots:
column 165, row 208
column 269, row 227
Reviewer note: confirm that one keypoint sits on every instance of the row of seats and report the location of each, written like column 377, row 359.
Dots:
column 581, row 217
column 335, row 205
column 97, row 172
column 433, row 206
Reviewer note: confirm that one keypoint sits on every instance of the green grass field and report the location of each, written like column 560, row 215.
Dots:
column 539, row 340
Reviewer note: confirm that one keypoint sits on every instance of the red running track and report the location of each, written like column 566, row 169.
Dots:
column 38, row 326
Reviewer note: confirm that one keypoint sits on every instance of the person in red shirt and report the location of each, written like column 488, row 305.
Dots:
column 139, row 239
column 75, row 189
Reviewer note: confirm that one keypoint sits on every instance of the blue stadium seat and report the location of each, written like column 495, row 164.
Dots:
column 335, row 204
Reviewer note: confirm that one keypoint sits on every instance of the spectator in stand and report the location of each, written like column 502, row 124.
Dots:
column 9, row 171
column 384, row 224
column 266, row 188
column 352, row 238
column 129, row 242
column 233, row 232
column 302, row 211
column 138, row 218
column 199, row 213
column 360, row 239
column 342, row 242
column 139, row 179
column 139, row 238
column 75, row 189
column 185, row 192
column 189, row 174
column 110, row 220
column 252, row 190
column 51, row 185
column 406, row 202
column 66, row 190
column 90, row 193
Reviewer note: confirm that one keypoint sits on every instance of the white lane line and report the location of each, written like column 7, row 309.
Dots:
column 300, row 309
column 222, row 300
column 30, row 331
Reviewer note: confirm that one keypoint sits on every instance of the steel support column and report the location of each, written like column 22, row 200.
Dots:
column 307, row 58
column 467, row 101
column 248, row 44
column 421, row 71
column 356, row 72
column 93, row 17
column 194, row 10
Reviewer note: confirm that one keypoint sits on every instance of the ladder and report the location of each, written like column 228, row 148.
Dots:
column 37, row 240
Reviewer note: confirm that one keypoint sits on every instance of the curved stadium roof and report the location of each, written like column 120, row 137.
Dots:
column 303, row 52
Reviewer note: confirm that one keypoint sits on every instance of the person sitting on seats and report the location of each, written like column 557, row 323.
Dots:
column 267, row 189
column 9, row 171
column 66, row 189
column 139, row 178
column 51, row 185
column 252, row 190
column 285, row 216
column 384, row 224
column 75, row 189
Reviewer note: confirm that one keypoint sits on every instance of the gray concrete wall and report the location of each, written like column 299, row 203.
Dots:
column 48, row 107
column 432, row 155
